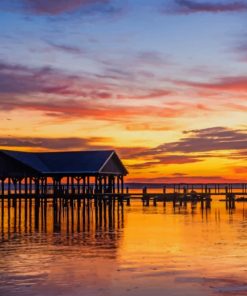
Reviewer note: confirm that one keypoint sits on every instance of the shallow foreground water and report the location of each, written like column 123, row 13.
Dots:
column 83, row 250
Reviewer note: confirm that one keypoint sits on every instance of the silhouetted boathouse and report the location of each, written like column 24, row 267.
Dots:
column 80, row 172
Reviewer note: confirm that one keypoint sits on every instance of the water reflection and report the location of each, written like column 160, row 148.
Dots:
column 27, row 216
column 82, row 248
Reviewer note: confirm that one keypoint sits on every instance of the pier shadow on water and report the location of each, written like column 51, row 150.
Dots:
column 22, row 216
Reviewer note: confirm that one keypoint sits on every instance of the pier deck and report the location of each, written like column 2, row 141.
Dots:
column 178, row 194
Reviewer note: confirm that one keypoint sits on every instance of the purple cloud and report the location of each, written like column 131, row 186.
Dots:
column 56, row 92
column 210, row 139
column 189, row 6
column 166, row 160
column 197, row 145
column 56, row 7
column 19, row 80
column 241, row 50
column 53, row 143
column 153, row 58
column 67, row 48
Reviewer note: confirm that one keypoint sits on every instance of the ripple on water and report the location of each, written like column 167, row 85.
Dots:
column 143, row 251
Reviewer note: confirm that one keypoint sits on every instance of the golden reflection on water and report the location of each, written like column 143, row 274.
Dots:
column 80, row 249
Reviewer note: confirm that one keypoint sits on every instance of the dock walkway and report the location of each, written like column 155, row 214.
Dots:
column 178, row 194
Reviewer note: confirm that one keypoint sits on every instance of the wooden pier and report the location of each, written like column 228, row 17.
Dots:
column 177, row 194
column 96, row 176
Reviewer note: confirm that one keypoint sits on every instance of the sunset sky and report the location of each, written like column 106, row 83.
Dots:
column 163, row 82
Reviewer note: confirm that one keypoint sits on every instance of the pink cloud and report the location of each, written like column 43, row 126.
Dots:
column 69, row 109
column 155, row 93
column 57, row 93
column 225, row 84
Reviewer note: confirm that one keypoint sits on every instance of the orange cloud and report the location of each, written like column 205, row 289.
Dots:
column 240, row 170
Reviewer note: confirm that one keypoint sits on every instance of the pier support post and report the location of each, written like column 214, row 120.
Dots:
column 118, row 184
column 2, row 187
column 36, row 182
column 25, row 186
column 19, row 185
column 122, row 184
column 30, row 185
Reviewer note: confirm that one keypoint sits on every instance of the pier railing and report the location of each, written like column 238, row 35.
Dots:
column 178, row 194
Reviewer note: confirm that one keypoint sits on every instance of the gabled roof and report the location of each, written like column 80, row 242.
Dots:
column 75, row 162
column 29, row 159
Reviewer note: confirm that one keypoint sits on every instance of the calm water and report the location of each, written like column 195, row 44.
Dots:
column 136, row 251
